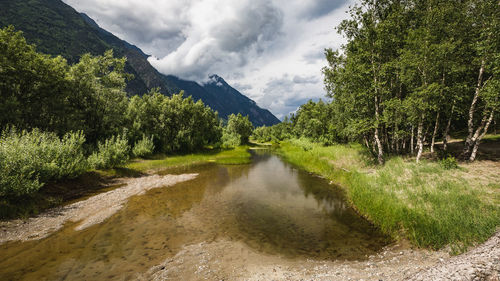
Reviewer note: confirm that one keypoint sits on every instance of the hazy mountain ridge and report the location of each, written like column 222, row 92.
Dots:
column 58, row 29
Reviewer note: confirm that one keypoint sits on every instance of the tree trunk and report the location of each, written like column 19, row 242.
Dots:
column 424, row 136
column 480, row 137
column 366, row 142
column 386, row 140
column 380, row 155
column 380, row 152
column 470, row 122
column 394, row 140
column 420, row 143
column 411, row 140
column 433, row 141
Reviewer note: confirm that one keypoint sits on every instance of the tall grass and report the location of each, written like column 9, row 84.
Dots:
column 426, row 203
column 28, row 160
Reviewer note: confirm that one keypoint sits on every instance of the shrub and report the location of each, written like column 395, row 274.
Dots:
column 113, row 152
column 449, row 163
column 303, row 143
column 230, row 139
column 28, row 160
column 144, row 147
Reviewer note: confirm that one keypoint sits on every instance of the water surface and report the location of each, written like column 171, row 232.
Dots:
column 269, row 205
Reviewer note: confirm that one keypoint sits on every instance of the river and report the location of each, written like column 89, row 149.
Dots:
column 270, row 206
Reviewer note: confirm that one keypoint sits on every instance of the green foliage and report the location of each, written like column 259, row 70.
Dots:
column 275, row 133
column 449, row 163
column 37, row 91
column 409, row 68
column 303, row 143
column 33, row 86
column 313, row 120
column 238, row 126
column 230, row 139
column 144, row 147
column 111, row 153
column 175, row 123
column 98, row 95
column 28, row 160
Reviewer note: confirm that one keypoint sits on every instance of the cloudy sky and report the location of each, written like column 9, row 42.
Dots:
column 270, row 50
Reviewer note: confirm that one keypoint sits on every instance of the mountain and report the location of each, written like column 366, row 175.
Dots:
column 234, row 99
column 58, row 29
column 223, row 98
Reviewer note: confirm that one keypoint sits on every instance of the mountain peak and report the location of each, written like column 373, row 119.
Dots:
column 216, row 79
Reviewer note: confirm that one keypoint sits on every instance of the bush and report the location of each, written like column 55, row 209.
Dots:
column 144, row 147
column 303, row 143
column 28, row 160
column 113, row 152
column 449, row 163
column 230, row 139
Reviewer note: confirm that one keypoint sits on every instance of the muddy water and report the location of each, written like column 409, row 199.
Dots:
column 269, row 205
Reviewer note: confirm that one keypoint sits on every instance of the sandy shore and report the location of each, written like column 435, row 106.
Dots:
column 481, row 263
column 86, row 212
column 233, row 260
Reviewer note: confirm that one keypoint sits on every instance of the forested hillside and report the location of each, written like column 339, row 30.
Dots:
column 57, row 29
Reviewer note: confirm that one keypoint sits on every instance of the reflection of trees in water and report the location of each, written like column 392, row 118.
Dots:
column 332, row 200
column 328, row 197
column 274, row 230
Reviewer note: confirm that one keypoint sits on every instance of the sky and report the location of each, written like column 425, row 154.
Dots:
column 270, row 50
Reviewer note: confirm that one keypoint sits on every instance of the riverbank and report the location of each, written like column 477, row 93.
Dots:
column 424, row 203
column 87, row 212
column 94, row 182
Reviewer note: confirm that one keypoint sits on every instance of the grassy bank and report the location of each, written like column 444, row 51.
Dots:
column 92, row 182
column 429, row 205
column 238, row 155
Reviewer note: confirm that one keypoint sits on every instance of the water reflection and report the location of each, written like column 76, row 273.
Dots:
column 269, row 205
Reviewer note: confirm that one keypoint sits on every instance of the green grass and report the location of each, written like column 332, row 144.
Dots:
column 238, row 155
column 430, row 206
column 491, row 137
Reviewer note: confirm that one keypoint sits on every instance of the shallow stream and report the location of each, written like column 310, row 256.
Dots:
column 269, row 205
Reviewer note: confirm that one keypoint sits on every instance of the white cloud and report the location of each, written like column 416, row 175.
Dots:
column 272, row 51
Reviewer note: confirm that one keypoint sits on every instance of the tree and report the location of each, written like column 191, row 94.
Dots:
column 240, row 127
column 486, row 16
column 33, row 86
column 175, row 123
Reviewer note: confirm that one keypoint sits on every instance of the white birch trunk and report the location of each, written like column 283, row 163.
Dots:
column 420, row 143
column 470, row 122
column 480, row 137
column 411, row 140
column 433, row 141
